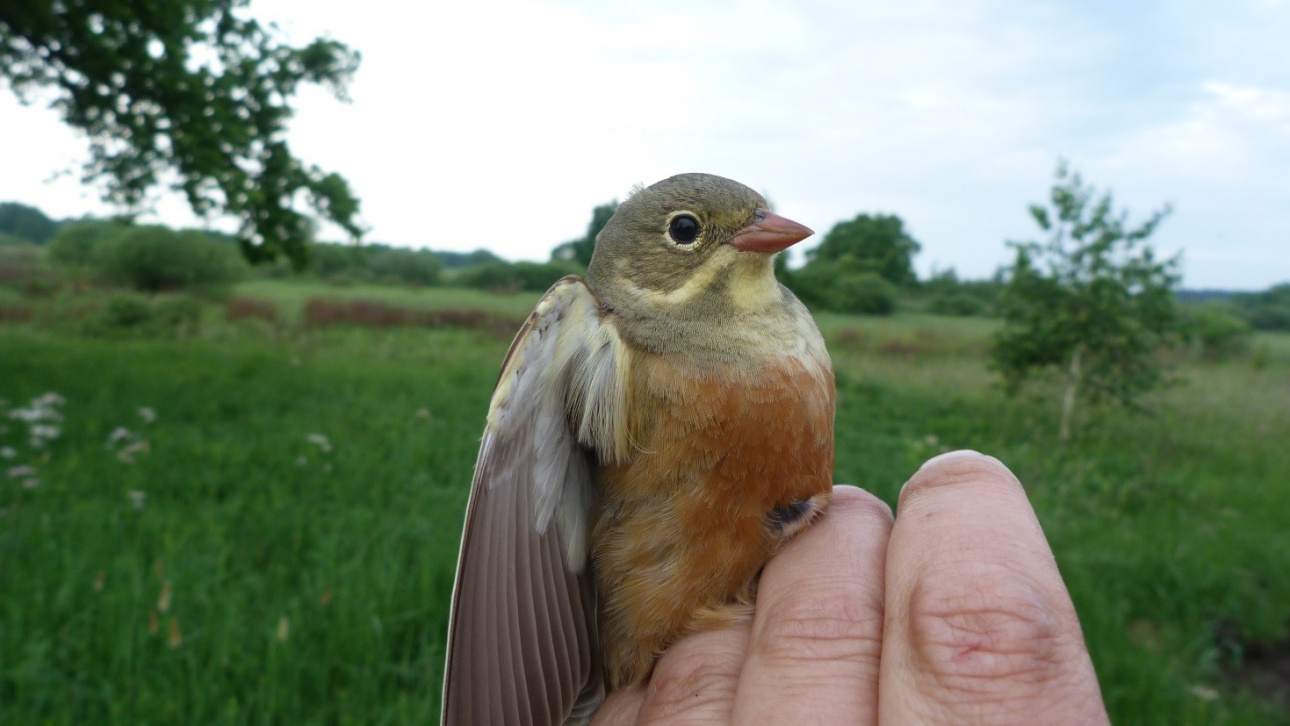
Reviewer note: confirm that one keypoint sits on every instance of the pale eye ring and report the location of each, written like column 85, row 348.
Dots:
column 684, row 229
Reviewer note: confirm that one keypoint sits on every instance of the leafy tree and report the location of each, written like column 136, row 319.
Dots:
column 877, row 243
column 1092, row 300
column 190, row 92
column 27, row 223
column 579, row 250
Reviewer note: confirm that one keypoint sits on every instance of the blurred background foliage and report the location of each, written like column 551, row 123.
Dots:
column 233, row 491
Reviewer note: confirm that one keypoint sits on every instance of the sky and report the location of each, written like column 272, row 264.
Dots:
column 501, row 124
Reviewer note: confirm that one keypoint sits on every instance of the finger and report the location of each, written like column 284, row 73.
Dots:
column 620, row 708
column 817, row 633
column 979, row 625
column 694, row 681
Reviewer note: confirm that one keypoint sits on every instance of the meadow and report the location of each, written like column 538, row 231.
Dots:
column 255, row 519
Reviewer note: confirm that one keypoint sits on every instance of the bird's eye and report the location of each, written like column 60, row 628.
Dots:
column 684, row 229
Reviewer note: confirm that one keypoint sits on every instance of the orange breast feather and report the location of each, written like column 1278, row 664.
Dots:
column 682, row 527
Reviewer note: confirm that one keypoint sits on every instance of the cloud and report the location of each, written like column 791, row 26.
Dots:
column 502, row 123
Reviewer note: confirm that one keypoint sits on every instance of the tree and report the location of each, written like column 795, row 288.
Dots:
column 579, row 250
column 878, row 243
column 26, row 223
column 190, row 92
column 1091, row 301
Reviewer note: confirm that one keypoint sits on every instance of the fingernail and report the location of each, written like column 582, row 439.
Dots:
column 951, row 456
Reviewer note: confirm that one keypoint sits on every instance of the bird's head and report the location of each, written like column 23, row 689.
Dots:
column 691, row 245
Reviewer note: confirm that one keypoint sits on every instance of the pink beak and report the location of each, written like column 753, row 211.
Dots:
column 769, row 232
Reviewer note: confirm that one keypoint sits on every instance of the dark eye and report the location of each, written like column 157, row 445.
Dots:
column 684, row 229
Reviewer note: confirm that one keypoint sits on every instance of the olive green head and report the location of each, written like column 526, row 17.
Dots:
column 692, row 242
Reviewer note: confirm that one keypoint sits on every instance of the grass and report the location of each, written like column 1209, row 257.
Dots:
column 270, row 578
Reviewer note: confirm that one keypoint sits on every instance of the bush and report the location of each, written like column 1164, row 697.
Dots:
column 1269, row 317
column 374, row 263
column 157, row 258
column 1215, row 330
column 132, row 315
column 956, row 303
column 841, row 288
column 517, row 276
column 410, row 267
column 73, row 244
column 1267, row 310
column 21, row 266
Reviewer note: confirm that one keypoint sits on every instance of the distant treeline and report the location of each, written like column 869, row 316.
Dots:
column 864, row 265
column 156, row 258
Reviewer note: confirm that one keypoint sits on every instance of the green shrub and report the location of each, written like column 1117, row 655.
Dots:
column 1215, row 330
column 1269, row 317
column 867, row 293
column 374, row 263
column 123, row 312
column 517, row 276
column 842, row 288
column 73, row 244
column 1267, row 310
column 157, row 258
column 956, row 303
column 410, row 267
column 134, row 315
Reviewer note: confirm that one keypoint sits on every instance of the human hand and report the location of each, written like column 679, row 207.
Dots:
column 954, row 613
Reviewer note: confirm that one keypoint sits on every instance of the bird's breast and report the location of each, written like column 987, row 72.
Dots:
column 682, row 526
column 746, row 430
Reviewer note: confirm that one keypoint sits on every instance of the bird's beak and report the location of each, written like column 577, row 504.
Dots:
column 769, row 232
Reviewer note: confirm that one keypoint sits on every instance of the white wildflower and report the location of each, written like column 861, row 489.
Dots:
column 119, row 434
column 148, row 414
column 30, row 483
column 127, row 453
column 320, row 441
column 40, row 409
column 45, row 431
column 423, row 413
column 7, row 452
column 50, row 399
column 1205, row 693
column 16, row 471
column 138, row 498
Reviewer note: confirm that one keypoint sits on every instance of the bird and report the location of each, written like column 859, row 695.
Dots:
column 659, row 430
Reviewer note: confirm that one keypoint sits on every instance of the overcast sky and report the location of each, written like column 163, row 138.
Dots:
column 500, row 124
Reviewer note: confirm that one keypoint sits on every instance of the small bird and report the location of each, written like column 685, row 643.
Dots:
column 657, row 433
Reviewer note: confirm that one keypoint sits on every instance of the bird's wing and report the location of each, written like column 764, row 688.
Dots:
column 522, row 639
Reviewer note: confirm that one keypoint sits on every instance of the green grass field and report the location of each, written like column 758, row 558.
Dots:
column 281, row 548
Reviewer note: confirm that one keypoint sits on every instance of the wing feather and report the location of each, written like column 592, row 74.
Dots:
column 522, row 637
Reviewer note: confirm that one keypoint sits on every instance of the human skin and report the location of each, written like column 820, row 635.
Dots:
column 953, row 612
